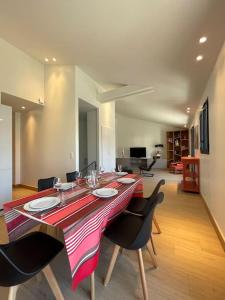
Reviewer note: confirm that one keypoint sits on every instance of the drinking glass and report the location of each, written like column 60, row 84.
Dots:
column 62, row 197
column 101, row 169
column 120, row 168
column 79, row 178
column 56, row 183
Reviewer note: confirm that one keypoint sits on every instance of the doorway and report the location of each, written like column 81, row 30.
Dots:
column 88, row 134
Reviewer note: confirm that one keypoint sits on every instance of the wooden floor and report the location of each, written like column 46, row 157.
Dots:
column 190, row 257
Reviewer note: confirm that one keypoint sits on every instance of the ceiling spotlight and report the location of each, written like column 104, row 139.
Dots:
column 54, row 59
column 202, row 40
column 1, row 119
column 199, row 57
column 188, row 111
column 185, row 125
column 188, row 108
column 46, row 59
column 23, row 107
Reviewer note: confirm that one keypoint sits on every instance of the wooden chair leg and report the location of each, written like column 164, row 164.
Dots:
column 12, row 292
column 153, row 245
column 111, row 264
column 153, row 258
column 156, row 225
column 93, row 286
column 53, row 282
column 142, row 272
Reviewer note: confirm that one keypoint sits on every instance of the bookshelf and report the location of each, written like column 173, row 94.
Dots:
column 177, row 145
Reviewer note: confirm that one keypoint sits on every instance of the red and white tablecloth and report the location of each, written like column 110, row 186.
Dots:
column 82, row 220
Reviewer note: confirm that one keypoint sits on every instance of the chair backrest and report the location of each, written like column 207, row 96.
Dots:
column 156, row 189
column 70, row 177
column 45, row 183
column 145, row 229
column 152, row 164
column 151, row 198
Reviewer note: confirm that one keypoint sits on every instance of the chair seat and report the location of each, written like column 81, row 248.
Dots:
column 137, row 205
column 124, row 230
column 27, row 256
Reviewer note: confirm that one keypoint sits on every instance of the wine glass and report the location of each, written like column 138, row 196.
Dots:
column 56, row 183
column 120, row 168
column 79, row 178
column 101, row 169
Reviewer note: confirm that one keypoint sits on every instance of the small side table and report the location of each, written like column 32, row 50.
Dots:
column 191, row 174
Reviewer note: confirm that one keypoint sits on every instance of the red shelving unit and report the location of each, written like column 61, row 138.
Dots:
column 191, row 174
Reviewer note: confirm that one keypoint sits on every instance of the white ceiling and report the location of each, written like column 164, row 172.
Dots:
column 126, row 42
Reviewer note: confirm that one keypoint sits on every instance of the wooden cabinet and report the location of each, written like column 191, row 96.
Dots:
column 177, row 145
column 191, row 174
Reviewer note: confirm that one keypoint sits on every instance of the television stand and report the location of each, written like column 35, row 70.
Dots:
column 134, row 163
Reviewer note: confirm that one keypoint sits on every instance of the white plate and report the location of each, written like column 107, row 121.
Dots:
column 105, row 192
column 42, row 204
column 121, row 173
column 126, row 180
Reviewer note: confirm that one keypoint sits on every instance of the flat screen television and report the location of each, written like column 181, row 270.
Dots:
column 138, row 152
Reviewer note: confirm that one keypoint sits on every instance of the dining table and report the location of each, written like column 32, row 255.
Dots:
column 82, row 218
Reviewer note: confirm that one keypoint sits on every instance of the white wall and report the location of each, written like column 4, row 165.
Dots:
column 212, row 166
column 132, row 132
column 108, row 136
column 48, row 135
column 87, row 89
column 92, row 127
column 83, row 140
column 16, row 147
column 5, row 154
column 20, row 75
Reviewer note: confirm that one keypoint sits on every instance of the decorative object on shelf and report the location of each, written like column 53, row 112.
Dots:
column 191, row 180
column 177, row 144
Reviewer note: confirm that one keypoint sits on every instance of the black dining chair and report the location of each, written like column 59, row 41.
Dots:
column 45, row 183
column 144, row 170
column 137, row 205
column 132, row 232
column 70, row 177
column 22, row 259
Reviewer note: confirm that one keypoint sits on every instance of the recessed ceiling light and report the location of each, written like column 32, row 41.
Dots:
column 54, row 59
column 188, row 108
column 203, row 39
column 46, row 59
column 185, row 125
column 23, row 107
column 1, row 119
column 188, row 111
column 199, row 57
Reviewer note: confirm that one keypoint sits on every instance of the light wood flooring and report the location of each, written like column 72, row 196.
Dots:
column 190, row 258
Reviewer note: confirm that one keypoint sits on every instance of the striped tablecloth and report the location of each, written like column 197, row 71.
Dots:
column 82, row 220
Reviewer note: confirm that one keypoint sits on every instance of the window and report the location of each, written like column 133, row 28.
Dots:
column 204, row 128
